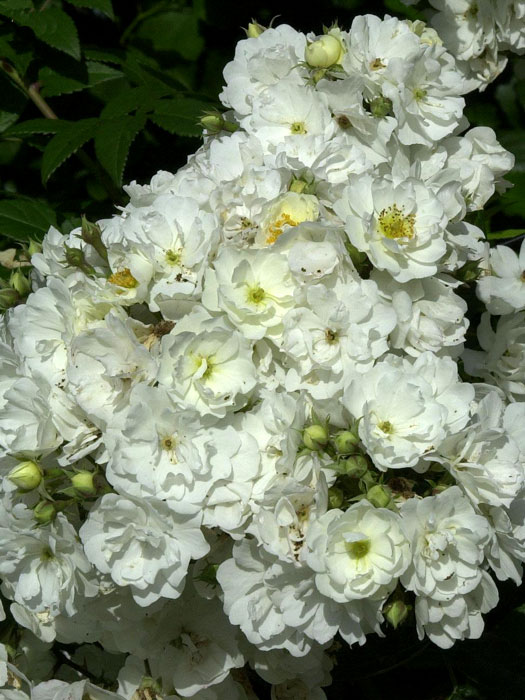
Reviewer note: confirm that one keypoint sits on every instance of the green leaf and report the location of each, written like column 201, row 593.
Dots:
column 512, row 202
column 65, row 143
column 22, row 219
column 105, row 56
column 112, row 143
column 104, row 6
column 36, row 126
column 143, row 99
column 173, row 31
column 53, row 26
column 85, row 76
column 180, row 115
column 509, row 233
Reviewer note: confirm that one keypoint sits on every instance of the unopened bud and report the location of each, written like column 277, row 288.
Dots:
column 33, row 247
column 92, row 235
column 26, row 475
column 335, row 497
column 396, row 612
column 20, row 283
column 315, row 437
column 346, row 442
column 379, row 496
column 254, row 30
column 44, row 512
column 381, row 107
column 469, row 272
column 325, row 52
column 8, row 298
column 355, row 466
column 214, row 123
column 75, row 258
column 83, row 483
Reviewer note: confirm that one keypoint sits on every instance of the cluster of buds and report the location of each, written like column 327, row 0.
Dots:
column 57, row 488
column 357, row 478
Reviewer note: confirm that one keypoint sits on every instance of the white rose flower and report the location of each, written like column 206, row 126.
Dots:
column 445, row 622
column 501, row 361
column 448, row 542
column 43, row 569
column 483, row 459
column 207, row 365
column 400, row 227
column 260, row 62
column 430, row 316
column 400, row 419
column 255, row 288
column 158, row 451
column 142, row 544
column 502, row 289
column 356, row 554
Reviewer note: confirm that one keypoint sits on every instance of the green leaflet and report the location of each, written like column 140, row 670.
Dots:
column 22, row 219
column 69, row 139
column 52, row 25
column 180, row 115
column 113, row 139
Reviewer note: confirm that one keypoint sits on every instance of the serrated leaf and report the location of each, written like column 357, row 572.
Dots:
column 70, row 138
column 143, row 98
column 112, row 143
column 509, row 233
column 22, row 219
column 87, row 75
column 104, row 56
column 104, row 6
column 180, row 115
column 36, row 126
column 173, row 31
column 52, row 25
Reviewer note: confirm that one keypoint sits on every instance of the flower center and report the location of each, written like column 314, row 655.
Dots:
column 276, row 228
column 419, row 94
column 123, row 278
column 343, row 121
column 298, row 128
column 376, row 64
column 46, row 554
column 331, row 336
column 168, row 443
column 359, row 549
column 255, row 295
column 173, row 257
column 386, row 426
column 394, row 223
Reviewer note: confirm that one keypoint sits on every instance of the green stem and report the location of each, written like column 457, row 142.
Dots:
column 36, row 98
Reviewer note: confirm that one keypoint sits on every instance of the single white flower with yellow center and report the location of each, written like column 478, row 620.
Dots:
column 253, row 287
column 287, row 210
column 400, row 227
column 359, row 553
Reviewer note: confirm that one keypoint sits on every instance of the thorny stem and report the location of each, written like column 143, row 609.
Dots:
column 34, row 95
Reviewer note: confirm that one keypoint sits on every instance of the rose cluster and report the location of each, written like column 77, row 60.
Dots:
column 238, row 419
